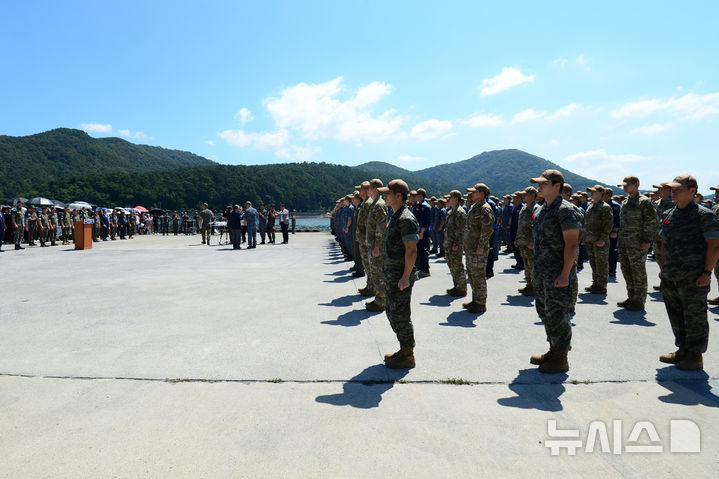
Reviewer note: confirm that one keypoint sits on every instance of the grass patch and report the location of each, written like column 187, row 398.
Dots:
column 275, row 380
column 457, row 382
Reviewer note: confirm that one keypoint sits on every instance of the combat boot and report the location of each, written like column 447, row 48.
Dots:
column 714, row 301
column 657, row 288
column 690, row 361
column 541, row 359
column 528, row 291
column 673, row 358
column 634, row 306
column 476, row 308
column 557, row 363
column 457, row 293
column 366, row 292
column 402, row 359
column 17, row 247
column 373, row 307
column 596, row 289
column 589, row 288
column 622, row 304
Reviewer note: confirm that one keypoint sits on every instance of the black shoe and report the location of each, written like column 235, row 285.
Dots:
column 358, row 274
column 17, row 246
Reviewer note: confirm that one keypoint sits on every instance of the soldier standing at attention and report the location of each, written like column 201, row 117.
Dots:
column 44, row 227
column 691, row 250
column 113, row 225
column 477, row 231
column 715, row 209
column 362, row 235
column 453, row 244
column 376, row 227
column 357, row 241
column 663, row 204
column 613, row 253
column 421, row 211
column 33, row 226
column 18, row 224
column 556, row 241
column 517, row 198
column 66, row 226
column 207, row 217
column 175, row 223
column 442, row 213
column 639, row 225
column 399, row 255
column 598, row 222
column 525, row 238
column 52, row 232
column 434, row 222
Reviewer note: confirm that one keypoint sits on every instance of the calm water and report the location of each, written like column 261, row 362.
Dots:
column 314, row 223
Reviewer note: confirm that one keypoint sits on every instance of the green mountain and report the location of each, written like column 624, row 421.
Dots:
column 31, row 160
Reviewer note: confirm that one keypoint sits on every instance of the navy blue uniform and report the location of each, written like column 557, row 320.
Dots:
column 421, row 211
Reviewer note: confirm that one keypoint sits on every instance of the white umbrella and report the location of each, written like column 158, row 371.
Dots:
column 39, row 201
column 78, row 205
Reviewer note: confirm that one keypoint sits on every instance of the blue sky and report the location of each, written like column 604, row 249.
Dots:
column 603, row 89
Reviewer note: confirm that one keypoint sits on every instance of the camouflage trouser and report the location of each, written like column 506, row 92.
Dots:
column 366, row 265
column 528, row 258
column 659, row 250
column 375, row 266
column 113, row 232
column 553, row 305
column 686, row 306
column 574, row 286
column 599, row 261
column 18, row 235
column 477, row 272
column 456, row 268
column 398, row 310
column 634, row 269
column 32, row 233
column 206, row 232
column 716, row 271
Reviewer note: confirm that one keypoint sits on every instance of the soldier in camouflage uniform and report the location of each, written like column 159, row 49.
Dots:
column 376, row 226
column 208, row 217
column 113, row 225
column 54, row 221
column 44, row 227
column 478, row 228
column 663, row 204
column 399, row 255
column 33, row 226
column 18, row 224
column 691, row 250
column 357, row 199
column 96, row 226
column 362, row 235
column 639, row 224
column 556, row 236
column 598, row 223
column 525, row 237
column 715, row 209
column 66, row 226
column 453, row 243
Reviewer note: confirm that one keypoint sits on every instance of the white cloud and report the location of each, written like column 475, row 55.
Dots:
column 509, row 78
column 138, row 135
column 477, row 120
column 583, row 62
column 651, row 129
column 688, row 107
column 560, row 62
column 409, row 159
column 528, row 115
column 555, row 142
column 262, row 141
column 124, row 132
column 96, row 127
column 565, row 111
column 210, row 142
column 602, row 156
column 244, row 116
column 299, row 153
column 431, row 129
column 316, row 111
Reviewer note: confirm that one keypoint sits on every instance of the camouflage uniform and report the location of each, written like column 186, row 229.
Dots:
column 575, row 285
column 662, row 207
column 96, row 227
column 454, row 236
column 477, row 230
column 598, row 224
column 113, row 226
column 362, row 235
column 524, row 238
column 206, row 230
column 33, row 228
column 553, row 304
column 19, row 216
column 715, row 209
column 684, row 232
column 45, row 224
column 52, row 232
column 401, row 228
column 376, row 227
column 639, row 225
column 66, row 227
column 356, row 240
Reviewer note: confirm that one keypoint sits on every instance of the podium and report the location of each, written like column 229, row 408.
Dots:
column 83, row 234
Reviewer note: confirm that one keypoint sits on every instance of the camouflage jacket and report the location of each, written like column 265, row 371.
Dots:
column 685, row 232
column 524, row 225
column 454, row 228
column 355, row 215
column 365, row 207
column 66, row 220
column 478, row 227
column 550, row 221
column 53, row 220
column 376, row 223
column 598, row 222
column 44, row 220
column 638, row 221
column 32, row 220
column 715, row 209
column 662, row 207
column 402, row 228
column 19, row 217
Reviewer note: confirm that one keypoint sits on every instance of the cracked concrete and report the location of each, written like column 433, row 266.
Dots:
column 162, row 357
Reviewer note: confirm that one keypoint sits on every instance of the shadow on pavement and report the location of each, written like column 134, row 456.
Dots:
column 512, row 271
column 631, row 318
column 340, row 279
column 462, row 319
column 535, row 390
column 690, row 388
column 519, row 300
column 365, row 390
column 439, row 300
column 351, row 318
column 343, row 301
column 590, row 298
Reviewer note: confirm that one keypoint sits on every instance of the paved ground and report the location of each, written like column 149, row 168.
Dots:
column 164, row 357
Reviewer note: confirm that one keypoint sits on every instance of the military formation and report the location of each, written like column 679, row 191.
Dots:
column 390, row 232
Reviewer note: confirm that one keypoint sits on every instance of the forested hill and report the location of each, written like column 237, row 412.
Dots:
column 28, row 161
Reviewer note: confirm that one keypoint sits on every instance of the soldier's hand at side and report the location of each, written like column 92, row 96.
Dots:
column 530, row 245
column 375, row 252
column 703, row 280
column 515, row 244
column 612, row 235
column 480, row 251
column 403, row 284
column 421, row 235
column 644, row 246
column 561, row 281
column 455, row 248
column 599, row 244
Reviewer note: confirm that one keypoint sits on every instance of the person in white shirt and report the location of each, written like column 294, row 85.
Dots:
column 284, row 223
